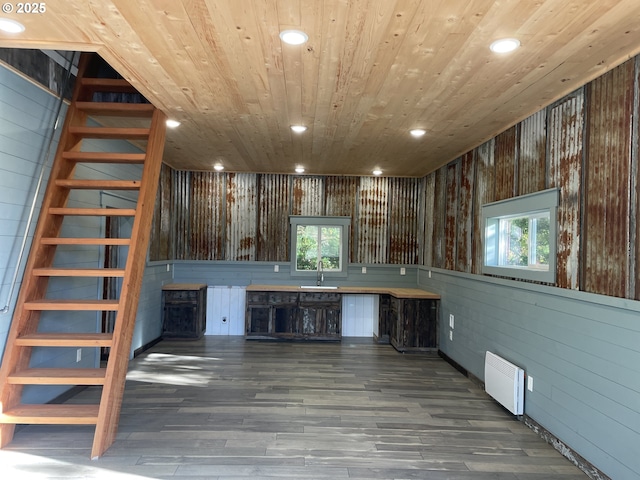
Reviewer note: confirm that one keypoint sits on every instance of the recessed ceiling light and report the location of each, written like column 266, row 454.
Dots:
column 505, row 45
column 298, row 128
column 377, row 172
column 293, row 37
column 173, row 123
column 299, row 169
column 11, row 26
column 218, row 167
column 417, row 132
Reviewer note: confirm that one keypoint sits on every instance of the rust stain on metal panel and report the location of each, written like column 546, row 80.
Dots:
column 429, row 215
column 161, row 233
column 241, row 217
column 607, row 186
column 464, row 223
column 341, row 195
column 506, row 163
column 404, row 195
column 372, row 220
column 531, row 157
column 566, row 127
column 484, row 192
column 439, row 214
column 308, row 196
column 207, row 215
column 181, row 205
column 274, row 193
column 451, row 214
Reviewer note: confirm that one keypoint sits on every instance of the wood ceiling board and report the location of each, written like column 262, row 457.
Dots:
column 371, row 70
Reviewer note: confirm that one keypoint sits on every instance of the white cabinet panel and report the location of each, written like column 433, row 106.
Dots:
column 359, row 315
column 225, row 310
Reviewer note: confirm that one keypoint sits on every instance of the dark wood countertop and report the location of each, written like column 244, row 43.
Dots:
column 394, row 292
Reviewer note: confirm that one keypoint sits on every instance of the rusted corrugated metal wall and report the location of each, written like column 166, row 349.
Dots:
column 606, row 262
column 161, row 243
column 464, row 215
column 506, row 162
column 566, row 127
column 308, row 196
column 439, row 218
column 373, row 218
column 274, row 200
column 241, row 226
column 181, row 205
column 429, row 216
column 404, row 196
column 341, row 194
column 483, row 192
column 532, row 154
column 206, row 214
column 451, row 215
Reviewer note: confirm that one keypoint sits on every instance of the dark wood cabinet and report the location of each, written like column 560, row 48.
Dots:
column 410, row 324
column 184, row 308
column 294, row 315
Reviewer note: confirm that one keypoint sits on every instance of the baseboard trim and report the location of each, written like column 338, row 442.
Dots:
column 146, row 346
column 582, row 463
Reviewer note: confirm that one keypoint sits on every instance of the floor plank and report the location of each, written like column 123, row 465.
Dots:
column 223, row 408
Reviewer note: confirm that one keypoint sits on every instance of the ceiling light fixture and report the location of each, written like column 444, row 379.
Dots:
column 298, row 128
column 294, row 37
column 173, row 123
column 377, row 172
column 417, row 132
column 11, row 26
column 299, row 169
column 218, row 167
column 505, row 45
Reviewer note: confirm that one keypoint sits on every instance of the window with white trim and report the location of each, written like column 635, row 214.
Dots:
column 319, row 243
column 520, row 237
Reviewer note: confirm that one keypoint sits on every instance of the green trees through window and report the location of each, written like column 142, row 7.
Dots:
column 316, row 243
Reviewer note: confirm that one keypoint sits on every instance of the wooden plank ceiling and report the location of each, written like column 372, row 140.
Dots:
column 371, row 70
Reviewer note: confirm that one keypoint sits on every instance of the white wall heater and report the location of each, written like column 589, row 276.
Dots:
column 504, row 381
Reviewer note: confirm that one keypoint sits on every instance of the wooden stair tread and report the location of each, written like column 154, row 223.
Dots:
column 65, row 340
column 99, row 184
column 59, row 376
column 72, row 305
column 84, row 241
column 110, row 132
column 116, row 109
column 54, row 414
column 116, row 85
column 78, row 272
column 104, row 157
column 99, row 212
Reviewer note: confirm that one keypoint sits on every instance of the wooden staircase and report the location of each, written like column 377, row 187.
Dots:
column 34, row 300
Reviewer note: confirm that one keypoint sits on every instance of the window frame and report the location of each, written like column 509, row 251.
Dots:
column 531, row 205
column 344, row 223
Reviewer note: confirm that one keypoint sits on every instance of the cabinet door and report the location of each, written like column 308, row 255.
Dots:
column 258, row 319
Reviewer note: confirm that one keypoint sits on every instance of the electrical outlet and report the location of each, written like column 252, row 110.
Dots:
column 78, row 355
column 403, row 271
column 530, row 383
column 168, row 267
column 224, row 319
column 429, row 273
column 364, row 269
column 451, row 335
column 276, row 268
column 451, row 320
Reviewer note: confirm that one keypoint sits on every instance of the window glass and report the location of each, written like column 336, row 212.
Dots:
column 319, row 242
column 520, row 236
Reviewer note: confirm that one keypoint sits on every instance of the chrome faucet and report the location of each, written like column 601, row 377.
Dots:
column 320, row 275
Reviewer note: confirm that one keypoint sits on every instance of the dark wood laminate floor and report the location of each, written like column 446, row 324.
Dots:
column 224, row 408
